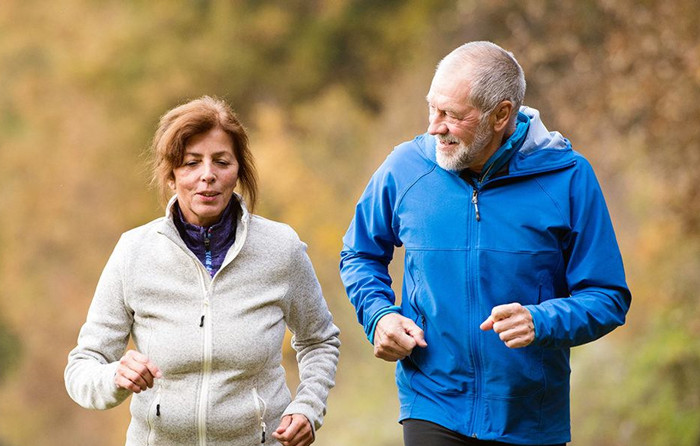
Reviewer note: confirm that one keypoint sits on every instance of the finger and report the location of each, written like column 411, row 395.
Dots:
column 500, row 312
column 300, row 431
column 487, row 324
column 392, row 349
column 417, row 334
column 154, row 370
column 518, row 342
column 519, row 336
column 135, row 372
column 403, row 341
column 388, row 354
column 406, row 335
column 135, row 377
column 394, row 345
column 286, row 421
column 520, row 322
column 124, row 383
column 296, row 430
column 139, row 357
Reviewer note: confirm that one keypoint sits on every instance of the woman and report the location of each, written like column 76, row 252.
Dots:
column 205, row 293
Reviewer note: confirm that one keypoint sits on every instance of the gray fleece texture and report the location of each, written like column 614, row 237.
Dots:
column 222, row 381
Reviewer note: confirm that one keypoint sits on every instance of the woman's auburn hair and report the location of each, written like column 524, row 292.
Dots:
column 196, row 117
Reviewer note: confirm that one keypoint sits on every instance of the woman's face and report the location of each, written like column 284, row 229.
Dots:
column 205, row 182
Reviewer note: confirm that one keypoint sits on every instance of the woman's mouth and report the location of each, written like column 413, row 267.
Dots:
column 208, row 195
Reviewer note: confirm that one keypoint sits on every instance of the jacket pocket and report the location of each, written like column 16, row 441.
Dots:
column 260, row 410
column 154, row 412
column 411, row 287
column 510, row 373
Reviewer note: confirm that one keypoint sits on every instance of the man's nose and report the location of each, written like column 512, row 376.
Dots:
column 436, row 125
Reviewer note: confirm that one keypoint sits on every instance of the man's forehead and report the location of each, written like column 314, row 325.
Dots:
column 449, row 89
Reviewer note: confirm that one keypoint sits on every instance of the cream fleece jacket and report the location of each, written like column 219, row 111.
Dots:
column 217, row 340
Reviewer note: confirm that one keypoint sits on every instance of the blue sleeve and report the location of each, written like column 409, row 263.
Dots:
column 368, row 247
column 599, row 297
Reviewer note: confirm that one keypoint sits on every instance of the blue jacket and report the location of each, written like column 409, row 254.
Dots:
column 535, row 230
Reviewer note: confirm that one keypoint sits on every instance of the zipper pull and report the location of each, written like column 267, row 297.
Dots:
column 260, row 409
column 475, row 201
column 205, row 304
column 160, row 387
column 207, row 239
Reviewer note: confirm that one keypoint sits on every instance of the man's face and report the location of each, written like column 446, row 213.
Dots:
column 463, row 136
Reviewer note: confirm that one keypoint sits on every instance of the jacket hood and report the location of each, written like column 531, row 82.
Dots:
column 538, row 137
column 540, row 151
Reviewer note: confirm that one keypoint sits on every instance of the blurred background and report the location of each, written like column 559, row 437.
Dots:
column 326, row 89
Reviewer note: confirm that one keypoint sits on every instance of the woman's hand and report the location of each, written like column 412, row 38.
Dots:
column 136, row 372
column 294, row 430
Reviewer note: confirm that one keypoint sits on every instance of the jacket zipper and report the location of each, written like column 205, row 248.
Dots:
column 260, row 409
column 207, row 251
column 473, row 306
column 205, row 323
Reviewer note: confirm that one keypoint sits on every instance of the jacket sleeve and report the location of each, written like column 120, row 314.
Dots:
column 315, row 339
column 89, row 375
column 599, row 297
column 368, row 248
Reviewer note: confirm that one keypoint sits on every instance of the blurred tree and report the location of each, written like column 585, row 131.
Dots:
column 9, row 351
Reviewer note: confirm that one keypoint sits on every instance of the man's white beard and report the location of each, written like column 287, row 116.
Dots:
column 464, row 155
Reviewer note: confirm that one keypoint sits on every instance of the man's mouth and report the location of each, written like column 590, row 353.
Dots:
column 446, row 142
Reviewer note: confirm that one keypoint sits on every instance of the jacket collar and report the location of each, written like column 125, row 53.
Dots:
column 504, row 153
column 219, row 234
column 537, row 150
column 168, row 229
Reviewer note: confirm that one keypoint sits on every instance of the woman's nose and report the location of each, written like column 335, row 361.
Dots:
column 208, row 173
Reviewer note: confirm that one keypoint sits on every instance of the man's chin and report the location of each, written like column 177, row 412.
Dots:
column 448, row 162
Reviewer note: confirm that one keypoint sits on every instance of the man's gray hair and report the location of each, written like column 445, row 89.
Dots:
column 493, row 72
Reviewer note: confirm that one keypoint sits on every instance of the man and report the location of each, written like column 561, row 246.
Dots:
column 510, row 260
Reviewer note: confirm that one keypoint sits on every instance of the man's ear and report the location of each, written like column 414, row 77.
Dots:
column 502, row 115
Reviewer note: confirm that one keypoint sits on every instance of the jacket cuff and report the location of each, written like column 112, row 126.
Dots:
column 536, row 323
column 372, row 326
